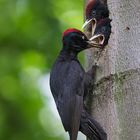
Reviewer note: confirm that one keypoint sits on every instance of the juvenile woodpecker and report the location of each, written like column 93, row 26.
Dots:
column 102, row 33
column 94, row 12
column 69, row 84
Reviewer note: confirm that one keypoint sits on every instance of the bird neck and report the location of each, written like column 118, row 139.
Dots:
column 68, row 54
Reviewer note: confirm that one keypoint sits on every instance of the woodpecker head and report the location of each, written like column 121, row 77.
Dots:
column 102, row 32
column 75, row 40
column 95, row 11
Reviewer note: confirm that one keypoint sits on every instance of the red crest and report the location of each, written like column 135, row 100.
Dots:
column 70, row 30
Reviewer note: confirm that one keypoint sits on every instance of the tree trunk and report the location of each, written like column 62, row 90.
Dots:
column 116, row 99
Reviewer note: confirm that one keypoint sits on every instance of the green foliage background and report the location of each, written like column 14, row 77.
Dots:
column 30, row 39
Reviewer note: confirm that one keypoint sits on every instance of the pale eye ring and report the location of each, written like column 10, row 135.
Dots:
column 83, row 37
column 94, row 12
column 103, row 29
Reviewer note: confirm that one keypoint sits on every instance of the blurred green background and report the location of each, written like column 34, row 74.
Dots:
column 30, row 39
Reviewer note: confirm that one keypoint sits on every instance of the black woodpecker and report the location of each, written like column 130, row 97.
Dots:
column 69, row 84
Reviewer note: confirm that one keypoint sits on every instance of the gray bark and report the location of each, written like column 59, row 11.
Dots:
column 116, row 97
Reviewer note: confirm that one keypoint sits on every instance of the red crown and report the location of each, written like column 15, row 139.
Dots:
column 70, row 30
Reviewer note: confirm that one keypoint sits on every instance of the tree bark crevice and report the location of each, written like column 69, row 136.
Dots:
column 115, row 104
column 120, row 76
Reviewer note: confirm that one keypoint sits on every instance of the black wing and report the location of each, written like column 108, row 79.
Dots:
column 66, row 83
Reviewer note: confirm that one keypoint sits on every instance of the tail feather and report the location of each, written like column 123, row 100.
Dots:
column 73, row 136
column 75, row 123
column 91, row 128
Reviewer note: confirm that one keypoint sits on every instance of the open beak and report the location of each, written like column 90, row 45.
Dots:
column 87, row 26
column 98, row 40
column 92, row 44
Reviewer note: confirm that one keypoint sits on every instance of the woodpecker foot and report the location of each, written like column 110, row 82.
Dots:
column 91, row 128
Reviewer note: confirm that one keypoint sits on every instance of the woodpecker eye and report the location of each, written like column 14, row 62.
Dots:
column 103, row 29
column 93, row 13
column 83, row 37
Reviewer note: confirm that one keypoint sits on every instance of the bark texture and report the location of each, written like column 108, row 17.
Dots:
column 115, row 102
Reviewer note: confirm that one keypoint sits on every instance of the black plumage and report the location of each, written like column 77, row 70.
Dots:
column 96, row 9
column 68, row 82
column 103, row 28
column 97, row 22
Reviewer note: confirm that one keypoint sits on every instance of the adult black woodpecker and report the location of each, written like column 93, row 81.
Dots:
column 69, row 84
column 94, row 12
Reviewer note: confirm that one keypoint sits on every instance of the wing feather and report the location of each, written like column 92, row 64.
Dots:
column 68, row 78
